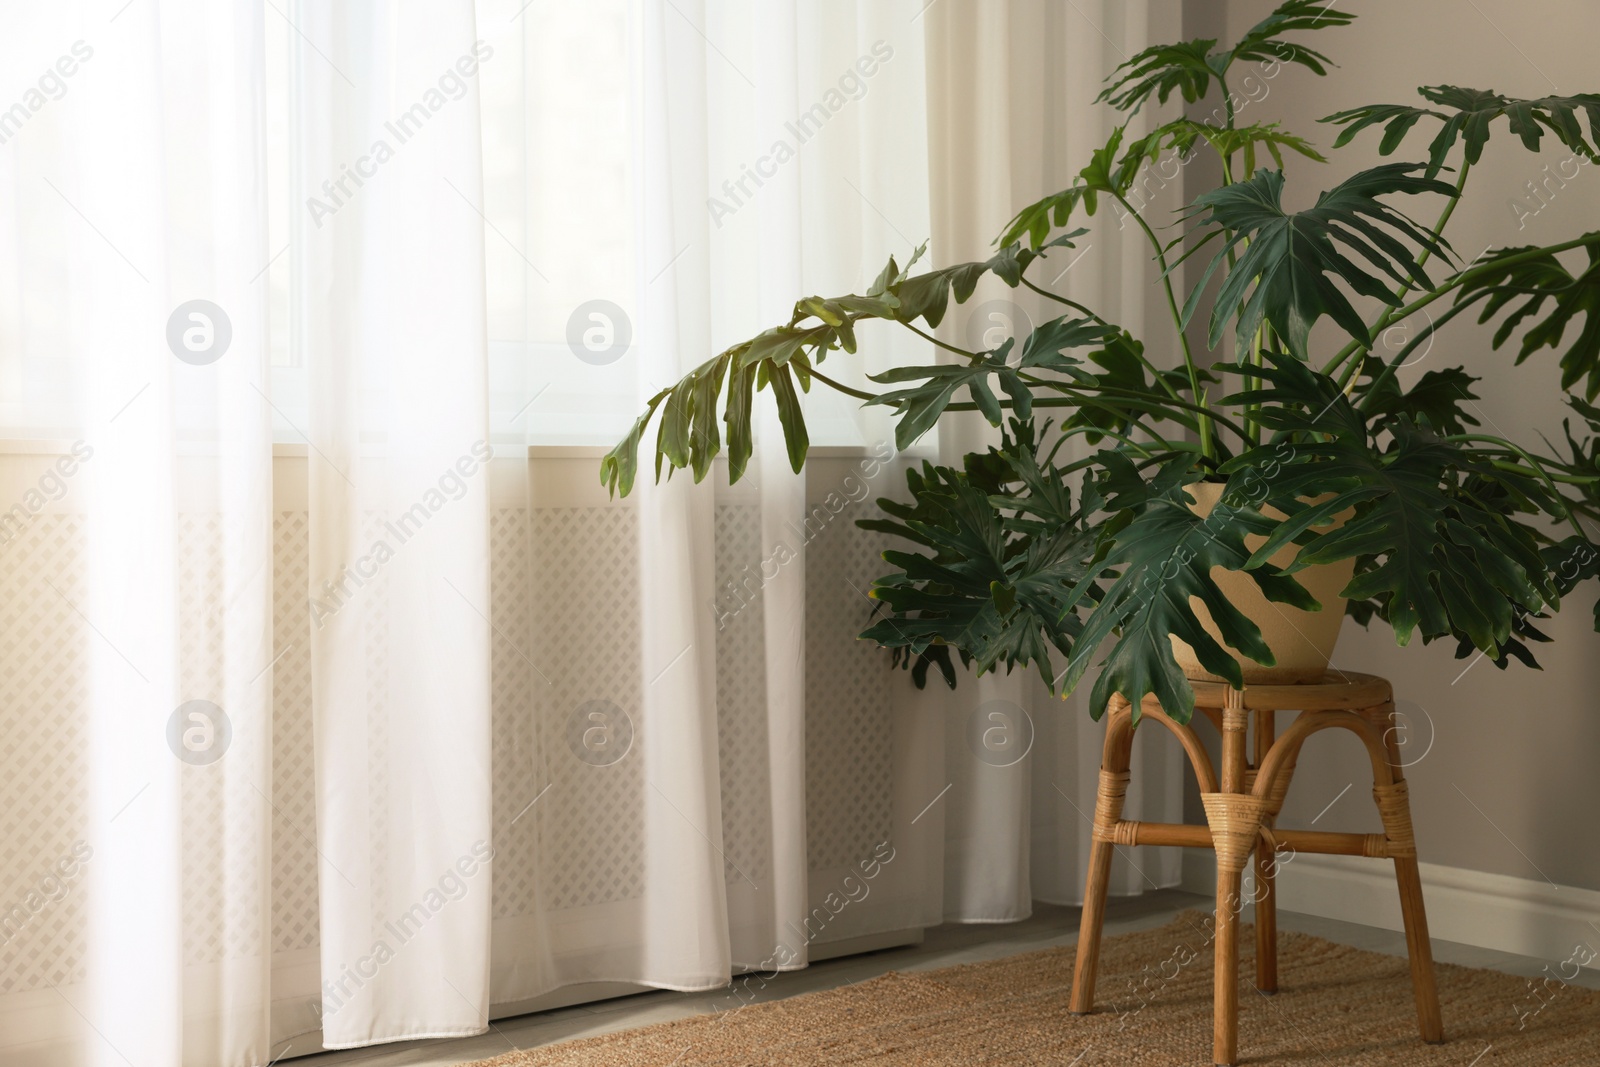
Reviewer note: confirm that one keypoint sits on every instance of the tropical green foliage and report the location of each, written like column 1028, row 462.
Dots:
column 1005, row 577
column 1073, row 545
column 784, row 356
column 1440, row 554
column 1157, row 561
column 1471, row 114
column 1114, row 177
column 1188, row 68
column 1286, row 274
column 1535, row 277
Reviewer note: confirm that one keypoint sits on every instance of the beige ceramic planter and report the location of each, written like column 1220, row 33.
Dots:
column 1301, row 641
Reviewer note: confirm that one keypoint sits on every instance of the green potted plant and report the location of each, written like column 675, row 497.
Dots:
column 1225, row 490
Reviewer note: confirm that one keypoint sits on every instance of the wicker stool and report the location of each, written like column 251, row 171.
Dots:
column 1242, row 810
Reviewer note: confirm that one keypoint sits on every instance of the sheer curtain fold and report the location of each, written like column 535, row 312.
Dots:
column 800, row 140
column 391, row 285
column 781, row 223
column 684, row 942
column 1010, row 121
column 140, row 335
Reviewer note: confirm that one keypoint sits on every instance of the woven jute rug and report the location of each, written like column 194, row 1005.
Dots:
column 1339, row 1007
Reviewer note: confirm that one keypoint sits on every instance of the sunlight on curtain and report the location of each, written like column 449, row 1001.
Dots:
column 665, row 179
column 487, row 733
column 135, row 329
column 565, row 113
column 389, row 276
column 775, row 153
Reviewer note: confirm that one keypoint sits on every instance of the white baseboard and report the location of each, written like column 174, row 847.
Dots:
column 1494, row 911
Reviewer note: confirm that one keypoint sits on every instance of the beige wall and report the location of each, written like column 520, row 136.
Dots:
column 1507, row 764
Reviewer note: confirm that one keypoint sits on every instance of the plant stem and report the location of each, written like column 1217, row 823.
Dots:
column 1156, row 375
column 1063, row 300
column 1076, row 402
column 929, row 337
column 1400, row 357
column 1564, row 479
column 1588, row 240
column 1527, row 458
column 1079, row 399
column 1444, row 218
column 1128, row 394
column 1125, row 439
column 1253, row 411
column 1207, row 446
column 1138, row 352
column 839, row 386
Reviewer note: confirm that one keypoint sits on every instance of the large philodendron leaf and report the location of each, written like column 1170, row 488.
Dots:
column 1160, row 71
column 1573, row 561
column 1438, row 548
column 1188, row 68
column 1105, row 175
column 996, row 590
column 722, row 390
column 1264, row 42
column 1509, row 275
column 1570, row 562
column 1162, row 554
column 1007, row 370
column 1470, row 114
column 1289, row 273
column 946, row 596
column 1244, row 141
column 1435, row 400
column 1583, row 457
column 1110, row 175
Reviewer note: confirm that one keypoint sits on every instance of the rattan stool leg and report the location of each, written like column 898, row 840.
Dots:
column 1235, row 820
column 1089, row 927
column 1225, row 998
column 1394, row 805
column 1107, row 811
column 1266, row 890
column 1429, row 1021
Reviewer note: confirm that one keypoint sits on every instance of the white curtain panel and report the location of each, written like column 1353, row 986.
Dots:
column 755, row 143
column 135, row 365
column 390, row 236
column 390, row 287
column 1010, row 121
column 778, row 151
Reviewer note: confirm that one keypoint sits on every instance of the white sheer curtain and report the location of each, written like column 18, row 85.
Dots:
column 139, row 725
column 390, row 282
column 557, row 739
column 780, row 151
column 705, row 815
column 1010, row 121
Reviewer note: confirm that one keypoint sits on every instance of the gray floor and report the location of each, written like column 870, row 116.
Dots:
column 943, row 946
